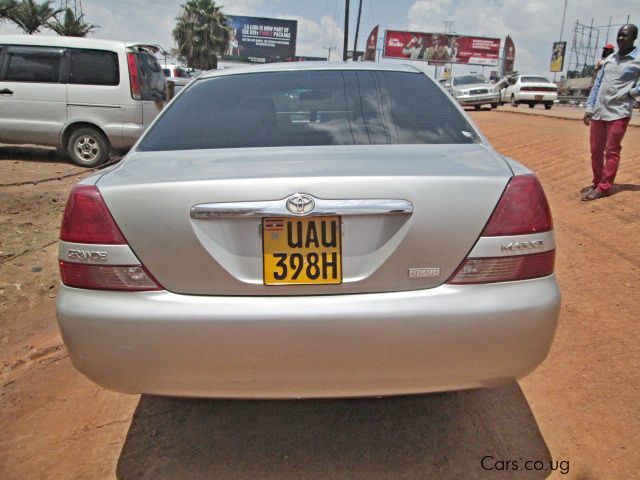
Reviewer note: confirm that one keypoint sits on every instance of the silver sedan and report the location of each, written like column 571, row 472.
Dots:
column 312, row 230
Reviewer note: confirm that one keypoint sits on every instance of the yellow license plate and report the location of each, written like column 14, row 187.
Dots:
column 302, row 251
column 539, row 97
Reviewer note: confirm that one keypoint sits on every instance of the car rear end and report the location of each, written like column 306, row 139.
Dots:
column 537, row 90
column 327, row 232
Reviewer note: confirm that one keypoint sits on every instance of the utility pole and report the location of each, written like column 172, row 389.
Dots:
column 561, row 32
column 346, row 30
column 355, row 42
column 329, row 55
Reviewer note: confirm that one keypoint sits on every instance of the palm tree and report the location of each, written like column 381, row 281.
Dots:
column 72, row 26
column 201, row 33
column 30, row 16
column 5, row 7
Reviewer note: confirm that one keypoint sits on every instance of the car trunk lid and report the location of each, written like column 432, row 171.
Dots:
column 449, row 192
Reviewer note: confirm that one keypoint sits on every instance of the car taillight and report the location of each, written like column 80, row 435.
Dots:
column 504, row 269
column 86, row 222
column 130, row 278
column 522, row 210
column 87, row 219
column 134, row 79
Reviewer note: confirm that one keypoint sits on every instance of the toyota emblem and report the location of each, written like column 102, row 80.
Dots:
column 300, row 204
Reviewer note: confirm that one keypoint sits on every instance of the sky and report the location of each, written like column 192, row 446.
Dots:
column 533, row 24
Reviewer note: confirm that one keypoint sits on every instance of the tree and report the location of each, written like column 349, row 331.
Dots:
column 5, row 7
column 72, row 25
column 201, row 33
column 29, row 15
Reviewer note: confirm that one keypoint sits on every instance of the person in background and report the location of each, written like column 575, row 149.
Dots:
column 609, row 110
column 606, row 51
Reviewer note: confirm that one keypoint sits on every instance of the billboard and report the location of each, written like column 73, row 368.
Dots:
column 372, row 42
column 261, row 40
column 557, row 57
column 439, row 48
column 509, row 55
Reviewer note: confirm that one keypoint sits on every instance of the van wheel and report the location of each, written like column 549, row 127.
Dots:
column 87, row 147
column 531, row 105
column 494, row 105
column 548, row 106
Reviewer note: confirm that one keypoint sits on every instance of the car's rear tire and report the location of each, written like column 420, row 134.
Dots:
column 494, row 105
column 513, row 101
column 87, row 147
column 477, row 107
column 548, row 106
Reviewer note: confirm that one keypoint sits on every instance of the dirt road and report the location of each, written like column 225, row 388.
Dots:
column 577, row 414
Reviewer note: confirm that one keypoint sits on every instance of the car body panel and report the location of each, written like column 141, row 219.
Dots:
column 452, row 188
column 446, row 338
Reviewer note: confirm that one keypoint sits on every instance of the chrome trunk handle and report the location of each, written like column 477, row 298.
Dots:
column 300, row 204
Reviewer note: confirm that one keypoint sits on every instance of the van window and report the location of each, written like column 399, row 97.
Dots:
column 33, row 64
column 152, row 82
column 94, row 67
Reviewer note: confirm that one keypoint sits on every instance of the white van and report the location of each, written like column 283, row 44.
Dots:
column 83, row 95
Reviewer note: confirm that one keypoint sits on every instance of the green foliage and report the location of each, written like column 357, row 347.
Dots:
column 71, row 26
column 29, row 15
column 5, row 7
column 201, row 33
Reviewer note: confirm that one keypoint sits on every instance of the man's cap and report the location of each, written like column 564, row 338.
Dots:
column 610, row 46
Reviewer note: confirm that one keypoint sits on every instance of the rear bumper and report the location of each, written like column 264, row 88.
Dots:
column 536, row 97
column 446, row 338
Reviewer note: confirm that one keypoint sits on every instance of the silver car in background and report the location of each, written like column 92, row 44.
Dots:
column 310, row 230
column 86, row 96
column 472, row 91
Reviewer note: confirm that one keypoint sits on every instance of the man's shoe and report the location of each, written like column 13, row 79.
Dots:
column 586, row 189
column 594, row 195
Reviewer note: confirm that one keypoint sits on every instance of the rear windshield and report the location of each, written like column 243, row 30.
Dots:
column 152, row 83
column 309, row 108
column 470, row 80
column 534, row 80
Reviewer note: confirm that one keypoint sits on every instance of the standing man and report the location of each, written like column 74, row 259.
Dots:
column 609, row 110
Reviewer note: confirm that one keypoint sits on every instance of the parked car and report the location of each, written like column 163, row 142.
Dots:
column 308, row 230
column 86, row 96
column 528, row 89
column 176, row 71
column 472, row 90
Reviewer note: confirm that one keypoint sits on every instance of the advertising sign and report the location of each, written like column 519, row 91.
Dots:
column 557, row 57
column 509, row 55
column 439, row 48
column 261, row 40
column 372, row 42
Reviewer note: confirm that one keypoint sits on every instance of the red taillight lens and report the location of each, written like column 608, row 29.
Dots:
column 134, row 79
column 88, row 220
column 130, row 278
column 522, row 209
column 504, row 269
